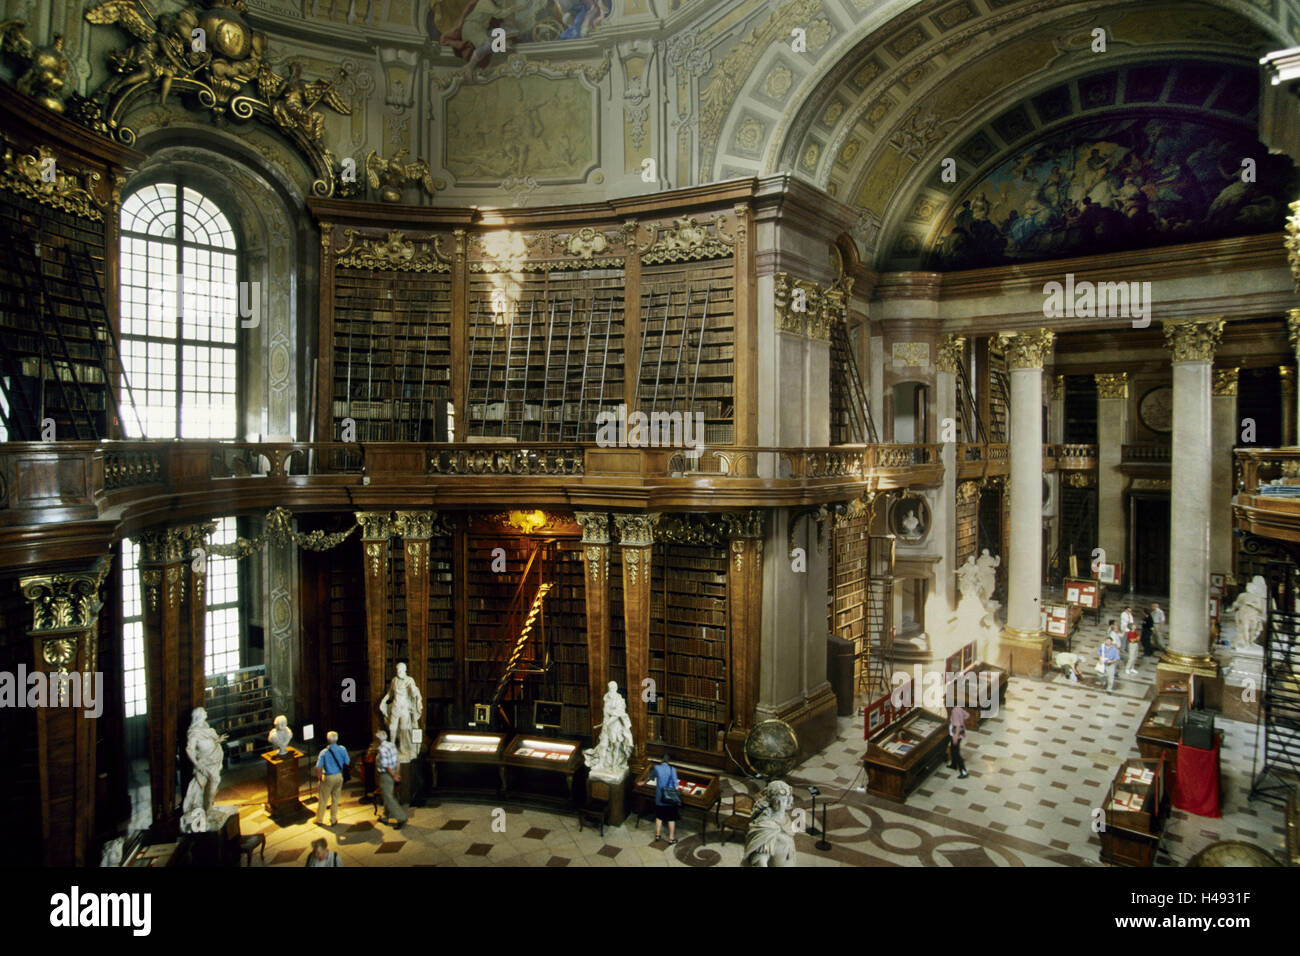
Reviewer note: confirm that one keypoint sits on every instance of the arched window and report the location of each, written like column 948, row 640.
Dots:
column 180, row 321
column 180, row 312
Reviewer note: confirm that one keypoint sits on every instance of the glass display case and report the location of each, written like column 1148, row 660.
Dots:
column 467, row 760
column 542, row 767
column 701, row 793
column 543, row 753
column 1136, row 805
column 900, row 756
column 1160, row 729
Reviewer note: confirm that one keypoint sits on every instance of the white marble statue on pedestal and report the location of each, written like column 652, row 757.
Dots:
column 280, row 736
column 203, row 746
column 608, row 759
column 402, row 707
column 988, row 578
column 770, row 838
column 1249, row 611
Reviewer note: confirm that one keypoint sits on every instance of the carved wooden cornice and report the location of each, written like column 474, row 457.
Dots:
column 41, row 177
column 1225, row 382
column 1112, row 385
column 396, row 253
column 686, row 241
column 1027, row 349
column 584, row 248
column 949, row 353
column 66, row 600
column 1194, row 340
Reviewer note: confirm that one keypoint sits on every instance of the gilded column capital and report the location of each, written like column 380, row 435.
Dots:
column 1058, row 388
column 636, row 531
column 1287, row 374
column 413, row 524
column 169, row 545
column 66, row 600
column 1112, row 385
column 1225, row 381
column 595, row 526
column 1293, row 330
column 1293, row 242
column 949, row 353
column 1027, row 349
column 375, row 525
column 745, row 524
column 968, row 491
column 1194, row 340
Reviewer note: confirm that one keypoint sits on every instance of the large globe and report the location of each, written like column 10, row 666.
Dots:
column 1233, row 853
column 772, row 749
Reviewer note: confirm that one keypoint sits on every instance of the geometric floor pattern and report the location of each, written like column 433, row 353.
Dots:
column 1036, row 773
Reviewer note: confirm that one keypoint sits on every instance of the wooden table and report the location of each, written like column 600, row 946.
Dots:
column 1160, row 729
column 894, row 775
column 538, row 759
column 701, row 792
column 1132, row 834
column 470, row 761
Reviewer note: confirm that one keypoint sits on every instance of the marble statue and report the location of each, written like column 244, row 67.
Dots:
column 402, row 707
column 968, row 578
column 988, row 577
column 280, row 736
column 203, row 747
column 1249, row 611
column 111, row 854
column 608, row 759
column 770, row 839
column 911, row 525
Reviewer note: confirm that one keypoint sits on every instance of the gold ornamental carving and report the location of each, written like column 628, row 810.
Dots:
column 967, row 491
column 376, row 555
column 595, row 526
column 1225, row 382
column 1112, row 385
column 1028, row 349
column 1292, row 242
column 172, row 545
column 152, row 581
column 864, row 508
column 948, row 354
column 391, row 176
column 175, row 582
column 700, row 529
column 1293, row 330
column 637, row 530
column 326, row 236
column 1194, row 340
column 910, row 354
column 687, row 240
column 1058, row 388
column 40, row 176
column 414, row 524
column 597, row 563
column 1150, row 484
column 738, row 554
column 1080, row 479
column 745, row 524
column 230, row 76
column 65, row 601
column 1287, row 375
column 417, row 552
column 632, row 561
column 375, row 525
column 395, row 253
column 42, row 70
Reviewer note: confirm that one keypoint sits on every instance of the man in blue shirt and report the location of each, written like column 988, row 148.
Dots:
column 389, row 768
column 1109, row 655
column 329, row 770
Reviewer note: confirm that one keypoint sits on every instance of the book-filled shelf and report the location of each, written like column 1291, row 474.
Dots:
column 688, row 646
column 440, row 695
column 239, row 705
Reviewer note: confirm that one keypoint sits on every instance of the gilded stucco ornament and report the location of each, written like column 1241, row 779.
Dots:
column 1112, row 385
column 391, row 176
column 67, row 189
column 394, row 253
column 949, row 353
column 1293, row 242
column 1293, row 330
column 1225, row 382
column 1194, row 340
column 228, row 76
column 43, row 69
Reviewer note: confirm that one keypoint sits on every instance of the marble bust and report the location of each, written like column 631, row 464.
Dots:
column 770, row 839
column 280, row 736
column 608, row 759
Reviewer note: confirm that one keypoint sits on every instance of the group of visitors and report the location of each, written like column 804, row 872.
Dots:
column 1149, row 638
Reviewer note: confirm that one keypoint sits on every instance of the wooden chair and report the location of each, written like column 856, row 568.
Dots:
column 597, row 806
column 742, row 807
column 255, row 841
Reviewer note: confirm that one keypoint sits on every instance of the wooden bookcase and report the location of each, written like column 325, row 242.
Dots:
column 440, row 690
column 239, row 705
column 688, row 646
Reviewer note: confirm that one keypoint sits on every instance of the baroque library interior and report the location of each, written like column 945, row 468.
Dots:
column 579, row 433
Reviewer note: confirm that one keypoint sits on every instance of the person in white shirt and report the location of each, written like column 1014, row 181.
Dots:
column 1158, row 616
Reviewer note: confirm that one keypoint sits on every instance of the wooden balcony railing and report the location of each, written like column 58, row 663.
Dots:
column 1267, row 503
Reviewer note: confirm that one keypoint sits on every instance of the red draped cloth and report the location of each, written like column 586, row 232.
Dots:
column 1196, row 786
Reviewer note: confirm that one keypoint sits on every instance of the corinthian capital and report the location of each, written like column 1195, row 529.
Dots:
column 1194, row 340
column 1113, row 385
column 636, row 530
column 950, row 350
column 1027, row 349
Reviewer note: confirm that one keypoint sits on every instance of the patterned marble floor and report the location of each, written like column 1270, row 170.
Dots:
column 1036, row 773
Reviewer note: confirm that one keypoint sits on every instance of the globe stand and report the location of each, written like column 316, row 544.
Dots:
column 823, row 844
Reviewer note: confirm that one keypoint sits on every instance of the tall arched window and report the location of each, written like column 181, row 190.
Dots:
column 180, row 320
column 180, row 312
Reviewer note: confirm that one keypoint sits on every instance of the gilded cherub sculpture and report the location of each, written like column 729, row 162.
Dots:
column 44, row 68
column 390, row 175
column 293, row 100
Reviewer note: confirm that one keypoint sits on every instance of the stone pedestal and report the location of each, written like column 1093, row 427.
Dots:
column 282, row 783
column 617, row 797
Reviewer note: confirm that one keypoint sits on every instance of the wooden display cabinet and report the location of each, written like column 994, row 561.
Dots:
column 701, row 793
column 902, row 755
column 1136, row 806
column 530, row 759
column 467, row 760
column 1160, row 730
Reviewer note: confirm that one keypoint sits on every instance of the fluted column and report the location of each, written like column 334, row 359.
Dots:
column 415, row 529
column 65, row 640
column 376, row 529
column 1112, row 429
column 636, row 541
column 1025, row 645
column 595, row 554
column 1225, row 431
column 1193, row 344
column 948, row 356
column 744, row 613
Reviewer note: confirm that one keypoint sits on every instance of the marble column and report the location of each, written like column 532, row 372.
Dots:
column 1112, row 429
column 636, row 542
column 1193, row 344
column 1225, row 432
column 595, row 554
column 65, row 641
column 1024, row 645
column 1056, row 411
column 943, row 518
